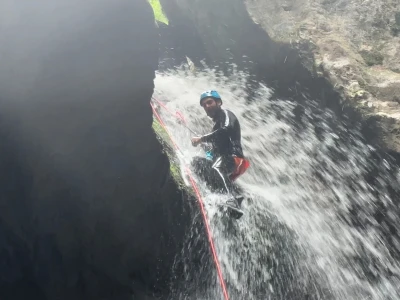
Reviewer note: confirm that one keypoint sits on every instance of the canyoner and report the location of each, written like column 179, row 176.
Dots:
column 222, row 161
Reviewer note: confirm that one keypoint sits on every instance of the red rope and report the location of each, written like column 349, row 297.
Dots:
column 176, row 115
column 203, row 211
column 165, row 128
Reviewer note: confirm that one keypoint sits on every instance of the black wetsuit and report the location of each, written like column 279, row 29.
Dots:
column 226, row 143
column 226, row 135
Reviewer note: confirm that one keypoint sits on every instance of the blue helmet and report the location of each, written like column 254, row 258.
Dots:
column 210, row 94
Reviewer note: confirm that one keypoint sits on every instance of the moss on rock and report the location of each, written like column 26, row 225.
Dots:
column 163, row 137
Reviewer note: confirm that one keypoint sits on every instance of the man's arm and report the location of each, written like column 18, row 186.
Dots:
column 228, row 123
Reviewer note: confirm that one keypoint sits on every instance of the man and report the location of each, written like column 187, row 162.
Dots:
column 228, row 161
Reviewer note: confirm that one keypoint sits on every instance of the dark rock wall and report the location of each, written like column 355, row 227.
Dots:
column 85, row 201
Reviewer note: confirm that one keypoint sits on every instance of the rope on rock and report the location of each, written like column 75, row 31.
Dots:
column 199, row 200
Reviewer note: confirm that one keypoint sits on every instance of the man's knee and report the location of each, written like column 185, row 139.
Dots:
column 224, row 164
column 201, row 166
column 198, row 162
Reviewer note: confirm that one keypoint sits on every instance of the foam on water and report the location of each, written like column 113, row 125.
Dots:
column 298, row 238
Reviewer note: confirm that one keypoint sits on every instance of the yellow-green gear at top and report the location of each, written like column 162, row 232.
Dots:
column 158, row 12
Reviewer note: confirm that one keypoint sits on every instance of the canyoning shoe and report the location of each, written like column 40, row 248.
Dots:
column 239, row 201
column 233, row 206
column 232, row 203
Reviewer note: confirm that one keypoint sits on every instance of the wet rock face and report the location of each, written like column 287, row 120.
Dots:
column 226, row 31
column 356, row 46
column 86, row 206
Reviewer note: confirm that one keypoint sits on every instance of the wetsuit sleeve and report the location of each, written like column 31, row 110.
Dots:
column 228, row 124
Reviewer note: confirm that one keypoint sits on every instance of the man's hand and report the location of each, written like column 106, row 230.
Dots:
column 196, row 141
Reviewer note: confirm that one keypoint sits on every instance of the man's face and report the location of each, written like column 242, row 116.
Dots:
column 211, row 106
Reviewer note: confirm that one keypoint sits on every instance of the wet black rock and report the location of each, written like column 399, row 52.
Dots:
column 86, row 204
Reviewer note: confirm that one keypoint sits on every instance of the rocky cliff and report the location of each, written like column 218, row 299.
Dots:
column 355, row 44
column 87, row 208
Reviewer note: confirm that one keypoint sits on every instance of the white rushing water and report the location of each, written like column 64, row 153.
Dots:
column 297, row 238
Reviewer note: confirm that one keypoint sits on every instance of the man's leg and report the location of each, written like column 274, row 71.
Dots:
column 224, row 166
column 202, row 167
